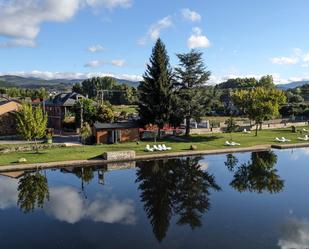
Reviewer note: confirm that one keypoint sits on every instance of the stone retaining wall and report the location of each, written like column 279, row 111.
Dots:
column 119, row 155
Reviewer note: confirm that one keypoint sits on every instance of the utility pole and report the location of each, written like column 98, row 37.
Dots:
column 81, row 114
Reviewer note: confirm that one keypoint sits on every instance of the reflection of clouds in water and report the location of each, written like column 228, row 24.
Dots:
column 204, row 165
column 8, row 192
column 295, row 235
column 297, row 153
column 66, row 204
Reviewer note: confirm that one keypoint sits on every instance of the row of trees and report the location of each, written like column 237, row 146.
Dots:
column 171, row 96
column 107, row 89
column 34, row 93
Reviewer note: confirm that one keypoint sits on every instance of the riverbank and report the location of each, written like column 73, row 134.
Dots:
column 205, row 144
column 101, row 161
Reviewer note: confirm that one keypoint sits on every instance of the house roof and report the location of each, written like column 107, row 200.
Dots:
column 120, row 125
column 64, row 99
column 8, row 106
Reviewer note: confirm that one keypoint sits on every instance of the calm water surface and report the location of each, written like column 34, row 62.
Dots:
column 249, row 200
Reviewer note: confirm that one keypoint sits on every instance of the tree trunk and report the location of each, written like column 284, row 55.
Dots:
column 36, row 146
column 187, row 127
column 159, row 133
column 256, row 129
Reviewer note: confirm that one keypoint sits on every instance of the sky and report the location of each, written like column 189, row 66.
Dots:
column 84, row 38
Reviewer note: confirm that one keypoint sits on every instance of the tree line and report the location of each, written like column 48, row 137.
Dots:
column 107, row 89
column 169, row 96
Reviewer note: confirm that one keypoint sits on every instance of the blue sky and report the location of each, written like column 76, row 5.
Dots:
column 82, row 38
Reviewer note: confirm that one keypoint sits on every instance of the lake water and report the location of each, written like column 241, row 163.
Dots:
column 248, row 200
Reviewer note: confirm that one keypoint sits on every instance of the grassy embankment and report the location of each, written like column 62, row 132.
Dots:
column 203, row 142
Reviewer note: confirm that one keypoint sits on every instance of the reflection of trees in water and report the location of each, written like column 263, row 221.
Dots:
column 84, row 173
column 257, row 175
column 32, row 191
column 176, row 186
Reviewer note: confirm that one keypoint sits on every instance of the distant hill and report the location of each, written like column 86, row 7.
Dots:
column 292, row 85
column 32, row 82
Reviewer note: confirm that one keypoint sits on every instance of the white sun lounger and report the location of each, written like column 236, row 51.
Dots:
column 227, row 143
column 279, row 140
column 247, row 132
column 157, row 148
column 305, row 130
column 285, row 139
column 306, row 138
column 160, row 147
column 148, row 148
column 166, row 148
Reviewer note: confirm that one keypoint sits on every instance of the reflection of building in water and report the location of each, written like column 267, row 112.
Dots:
column 101, row 176
column 14, row 174
column 86, row 173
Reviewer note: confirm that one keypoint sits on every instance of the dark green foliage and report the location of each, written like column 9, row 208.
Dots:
column 258, row 175
column 155, row 90
column 107, row 89
column 231, row 125
column 32, row 191
column 174, row 187
column 191, row 76
column 14, row 92
column 245, row 83
column 87, row 108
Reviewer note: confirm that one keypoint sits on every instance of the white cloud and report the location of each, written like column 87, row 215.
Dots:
column 197, row 40
column 306, row 57
column 21, row 20
column 110, row 4
column 98, row 63
column 191, row 15
column 48, row 75
column 295, row 235
column 94, row 63
column 155, row 29
column 95, row 48
column 66, row 204
column 284, row 60
column 297, row 57
column 18, row 43
column 8, row 192
column 118, row 63
column 305, row 65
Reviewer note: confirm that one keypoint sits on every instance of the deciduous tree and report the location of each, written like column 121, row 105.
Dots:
column 31, row 122
column 260, row 103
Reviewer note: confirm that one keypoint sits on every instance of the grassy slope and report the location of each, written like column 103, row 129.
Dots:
column 126, row 108
column 203, row 142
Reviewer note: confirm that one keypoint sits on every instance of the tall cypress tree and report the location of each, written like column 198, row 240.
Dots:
column 191, row 75
column 156, row 89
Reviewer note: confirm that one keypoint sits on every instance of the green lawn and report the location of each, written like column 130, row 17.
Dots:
column 127, row 108
column 203, row 142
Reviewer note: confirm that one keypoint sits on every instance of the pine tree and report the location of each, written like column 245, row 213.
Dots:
column 156, row 89
column 191, row 75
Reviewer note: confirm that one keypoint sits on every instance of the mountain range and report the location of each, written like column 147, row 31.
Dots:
column 32, row 82
column 292, row 85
